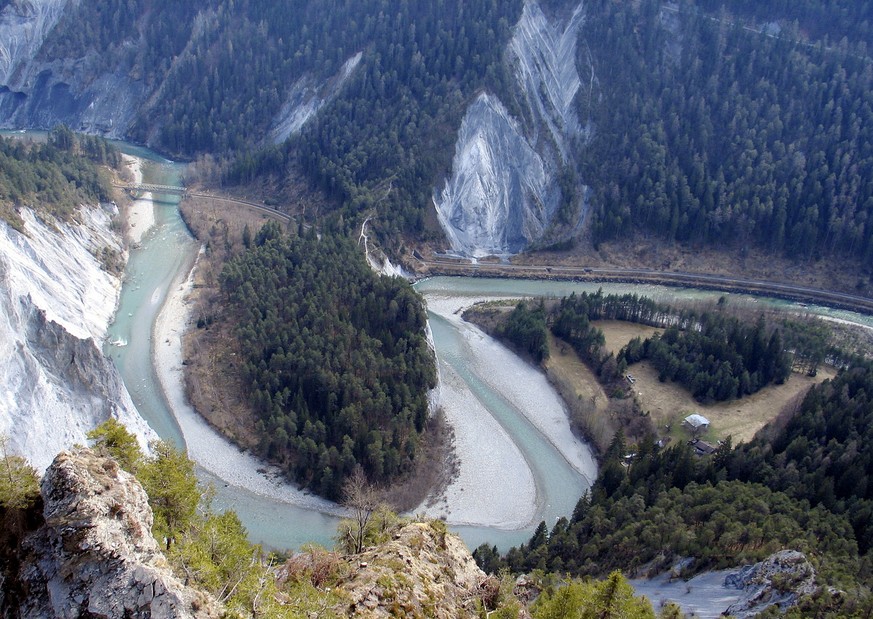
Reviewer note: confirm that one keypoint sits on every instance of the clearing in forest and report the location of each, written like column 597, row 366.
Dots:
column 668, row 403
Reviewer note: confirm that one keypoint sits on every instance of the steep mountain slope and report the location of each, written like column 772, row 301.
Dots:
column 40, row 91
column 717, row 122
column 504, row 192
column 56, row 302
column 23, row 28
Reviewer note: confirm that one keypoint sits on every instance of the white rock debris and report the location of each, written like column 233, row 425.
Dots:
column 56, row 303
column 503, row 193
column 306, row 98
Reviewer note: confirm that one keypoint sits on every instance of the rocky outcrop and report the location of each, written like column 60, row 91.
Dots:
column 95, row 555
column 422, row 572
column 780, row 580
column 504, row 192
column 56, row 302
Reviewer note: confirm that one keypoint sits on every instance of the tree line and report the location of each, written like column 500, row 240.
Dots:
column 334, row 356
column 56, row 177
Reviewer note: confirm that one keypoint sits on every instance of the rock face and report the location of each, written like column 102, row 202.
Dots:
column 504, row 193
column 74, row 91
column 56, row 302
column 422, row 572
column 24, row 25
column 499, row 197
column 306, row 98
column 780, row 580
column 95, row 555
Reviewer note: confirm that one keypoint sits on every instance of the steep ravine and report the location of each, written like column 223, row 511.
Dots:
column 56, row 302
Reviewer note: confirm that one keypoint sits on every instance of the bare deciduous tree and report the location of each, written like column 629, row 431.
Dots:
column 362, row 499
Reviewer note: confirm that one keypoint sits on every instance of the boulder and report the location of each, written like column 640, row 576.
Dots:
column 781, row 579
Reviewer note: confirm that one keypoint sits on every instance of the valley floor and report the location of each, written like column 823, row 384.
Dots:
column 492, row 484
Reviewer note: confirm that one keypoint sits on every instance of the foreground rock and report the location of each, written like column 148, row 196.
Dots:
column 422, row 571
column 95, row 555
column 780, row 580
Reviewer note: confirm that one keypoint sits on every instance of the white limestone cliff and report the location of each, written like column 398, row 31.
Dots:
column 503, row 193
column 56, row 302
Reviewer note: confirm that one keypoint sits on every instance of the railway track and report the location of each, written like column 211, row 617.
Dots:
column 779, row 290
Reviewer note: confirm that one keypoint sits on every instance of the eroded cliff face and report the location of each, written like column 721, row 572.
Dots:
column 499, row 197
column 24, row 25
column 56, row 302
column 503, row 193
column 95, row 555
column 74, row 91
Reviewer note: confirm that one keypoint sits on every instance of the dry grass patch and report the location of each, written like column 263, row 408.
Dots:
column 668, row 404
column 617, row 333
column 565, row 365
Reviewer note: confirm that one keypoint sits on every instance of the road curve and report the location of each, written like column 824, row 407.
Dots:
column 780, row 290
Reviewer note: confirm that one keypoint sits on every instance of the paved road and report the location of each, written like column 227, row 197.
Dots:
column 670, row 278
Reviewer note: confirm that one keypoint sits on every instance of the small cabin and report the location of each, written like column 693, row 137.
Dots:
column 702, row 448
column 696, row 424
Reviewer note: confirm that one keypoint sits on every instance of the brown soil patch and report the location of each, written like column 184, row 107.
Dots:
column 213, row 386
column 211, row 366
column 668, row 404
column 831, row 273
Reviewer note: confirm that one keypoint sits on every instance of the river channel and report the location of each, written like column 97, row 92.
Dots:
column 489, row 377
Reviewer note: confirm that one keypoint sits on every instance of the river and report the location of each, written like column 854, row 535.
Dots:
column 558, row 477
column 478, row 373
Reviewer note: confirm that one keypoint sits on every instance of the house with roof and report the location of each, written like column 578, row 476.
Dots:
column 696, row 424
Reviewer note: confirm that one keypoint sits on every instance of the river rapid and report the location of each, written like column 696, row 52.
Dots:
column 518, row 462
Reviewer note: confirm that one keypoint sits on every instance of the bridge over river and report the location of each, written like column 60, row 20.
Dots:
column 134, row 188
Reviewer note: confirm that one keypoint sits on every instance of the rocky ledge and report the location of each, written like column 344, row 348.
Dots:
column 780, row 580
column 423, row 571
column 95, row 555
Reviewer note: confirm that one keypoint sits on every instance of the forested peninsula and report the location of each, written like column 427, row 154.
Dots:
column 331, row 358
